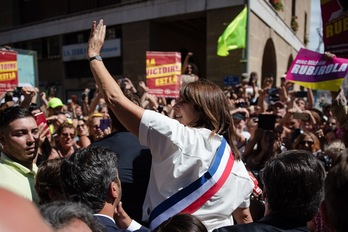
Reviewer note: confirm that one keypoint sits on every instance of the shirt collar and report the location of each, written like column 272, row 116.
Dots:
column 20, row 168
column 106, row 216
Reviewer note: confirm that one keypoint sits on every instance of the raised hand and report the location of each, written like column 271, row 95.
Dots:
column 96, row 39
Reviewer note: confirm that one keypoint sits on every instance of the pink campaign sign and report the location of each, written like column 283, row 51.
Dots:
column 313, row 70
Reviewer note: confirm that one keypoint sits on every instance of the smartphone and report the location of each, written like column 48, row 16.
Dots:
column 267, row 121
column 301, row 94
column 273, row 91
column 302, row 116
column 40, row 118
column 104, row 124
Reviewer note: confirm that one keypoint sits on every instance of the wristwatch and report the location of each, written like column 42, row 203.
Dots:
column 95, row 58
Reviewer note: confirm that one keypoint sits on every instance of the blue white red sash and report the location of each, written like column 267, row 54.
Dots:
column 195, row 195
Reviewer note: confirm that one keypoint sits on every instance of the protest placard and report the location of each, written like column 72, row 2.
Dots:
column 163, row 70
column 314, row 70
column 335, row 26
column 8, row 70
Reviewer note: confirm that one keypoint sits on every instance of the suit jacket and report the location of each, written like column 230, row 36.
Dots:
column 134, row 164
column 267, row 223
column 111, row 226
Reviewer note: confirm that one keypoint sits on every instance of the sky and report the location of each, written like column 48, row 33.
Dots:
column 316, row 23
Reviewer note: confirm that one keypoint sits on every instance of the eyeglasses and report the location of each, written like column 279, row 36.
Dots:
column 82, row 125
column 310, row 143
column 67, row 134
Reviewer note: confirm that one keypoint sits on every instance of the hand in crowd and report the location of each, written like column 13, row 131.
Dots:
column 43, row 132
column 121, row 218
column 143, row 86
column 107, row 131
column 43, row 95
column 28, row 91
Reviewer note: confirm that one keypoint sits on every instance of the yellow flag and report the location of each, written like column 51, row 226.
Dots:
column 234, row 35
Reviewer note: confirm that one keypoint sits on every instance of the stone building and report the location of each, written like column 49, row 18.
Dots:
column 59, row 30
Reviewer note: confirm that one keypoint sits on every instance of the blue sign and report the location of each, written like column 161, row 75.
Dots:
column 231, row 80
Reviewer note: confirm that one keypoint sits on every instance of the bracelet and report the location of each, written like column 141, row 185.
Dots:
column 95, row 58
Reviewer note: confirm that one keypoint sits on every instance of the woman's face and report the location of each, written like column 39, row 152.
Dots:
column 66, row 138
column 301, row 104
column 189, row 69
column 185, row 113
column 104, row 112
column 293, row 124
column 306, row 144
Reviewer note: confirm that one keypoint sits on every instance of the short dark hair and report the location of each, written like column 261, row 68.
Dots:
column 12, row 113
column 181, row 222
column 336, row 192
column 293, row 184
column 47, row 180
column 59, row 214
column 87, row 174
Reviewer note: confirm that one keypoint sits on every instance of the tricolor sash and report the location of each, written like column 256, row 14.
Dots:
column 195, row 195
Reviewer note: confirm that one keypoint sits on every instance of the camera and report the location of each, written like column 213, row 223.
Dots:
column 241, row 105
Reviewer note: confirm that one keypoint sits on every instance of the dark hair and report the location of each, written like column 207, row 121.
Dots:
column 211, row 103
column 336, row 192
column 293, row 185
column 194, row 68
column 302, row 136
column 181, row 223
column 253, row 76
column 47, row 181
column 87, row 174
column 12, row 113
column 60, row 214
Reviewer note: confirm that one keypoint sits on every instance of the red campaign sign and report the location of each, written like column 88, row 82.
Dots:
column 163, row 70
column 8, row 70
column 335, row 26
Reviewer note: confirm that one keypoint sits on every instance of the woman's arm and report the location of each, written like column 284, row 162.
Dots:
column 94, row 103
column 310, row 99
column 126, row 111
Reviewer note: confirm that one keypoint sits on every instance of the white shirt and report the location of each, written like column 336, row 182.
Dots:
column 180, row 155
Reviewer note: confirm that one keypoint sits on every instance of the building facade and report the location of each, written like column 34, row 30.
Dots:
column 59, row 31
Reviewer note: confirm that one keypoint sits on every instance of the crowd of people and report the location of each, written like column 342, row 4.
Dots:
column 121, row 159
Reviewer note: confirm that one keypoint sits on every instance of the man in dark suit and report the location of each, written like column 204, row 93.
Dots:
column 90, row 176
column 293, row 189
column 134, row 164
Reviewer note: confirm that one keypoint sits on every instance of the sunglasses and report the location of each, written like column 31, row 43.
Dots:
column 82, row 125
column 67, row 134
